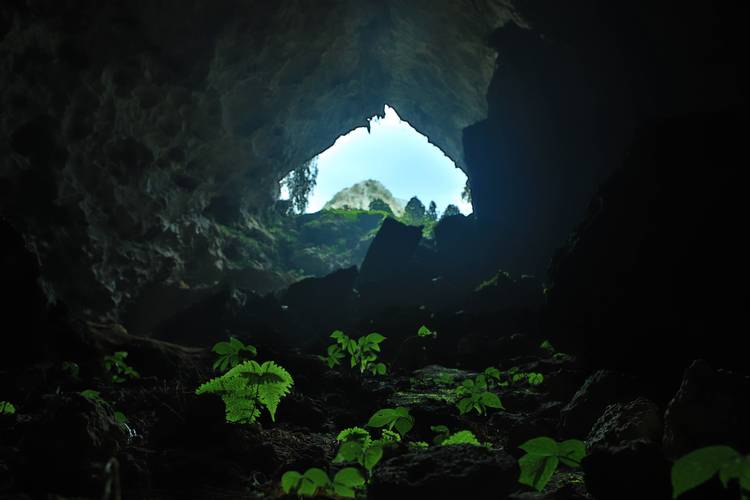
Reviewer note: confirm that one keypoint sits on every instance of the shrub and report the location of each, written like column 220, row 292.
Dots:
column 315, row 481
column 474, row 395
column 363, row 352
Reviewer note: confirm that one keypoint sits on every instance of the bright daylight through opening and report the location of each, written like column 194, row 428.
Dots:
column 403, row 163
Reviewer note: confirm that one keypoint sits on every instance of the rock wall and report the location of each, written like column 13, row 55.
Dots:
column 130, row 129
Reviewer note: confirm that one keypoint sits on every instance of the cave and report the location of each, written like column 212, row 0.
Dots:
column 576, row 336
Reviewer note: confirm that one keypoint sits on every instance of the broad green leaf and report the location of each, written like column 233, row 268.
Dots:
column 492, row 372
column 120, row 418
column 222, row 348
column 373, row 454
column 349, row 476
column 350, row 451
column 290, row 480
column 491, row 400
column 571, row 452
column 541, row 446
column 424, row 331
column 337, row 334
column 699, row 466
column 440, row 429
column 317, row 476
column 404, row 425
column 535, row 378
column 382, row 418
column 730, row 470
column 375, row 338
column 7, row 408
column 745, row 474
column 236, row 344
column 465, row 405
column 536, row 470
column 380, row 369
column 306, row 488
column 344, row 491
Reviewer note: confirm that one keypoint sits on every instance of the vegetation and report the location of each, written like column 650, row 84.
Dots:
column 445, row 438
column 543, row 455
column 450, row 211
column 231, row 353
column 316, row 482
column 300, row 182
column 380, row 206
column 363, row 352
column 474, row 394
column 248, row 387
column 697, row 467
column 356, row 445
column 398, row 418
column 118, row 369
column 426, row 332
column 7, row 408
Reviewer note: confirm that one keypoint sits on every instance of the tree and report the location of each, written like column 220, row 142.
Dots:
column 379, row 205
column 432, row 211
column 300, row 182
column 466, row 194
column 414, row 211
column 450, row 211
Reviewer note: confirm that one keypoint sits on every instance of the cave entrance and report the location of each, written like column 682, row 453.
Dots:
column 338, row 199
column 391, row 155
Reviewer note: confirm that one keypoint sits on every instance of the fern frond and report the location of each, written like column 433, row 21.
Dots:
column 247, row 386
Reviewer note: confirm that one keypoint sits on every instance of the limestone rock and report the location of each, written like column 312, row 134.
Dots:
column 638, row 419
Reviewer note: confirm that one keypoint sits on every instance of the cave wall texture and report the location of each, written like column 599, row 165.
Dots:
column 131, row 129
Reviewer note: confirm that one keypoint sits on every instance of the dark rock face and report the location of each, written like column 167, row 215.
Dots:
column 639, row 419
column 637, row 289
column 446, row 472
column 628, row 471
column 132, row 131
column 597, row 392
column 710, row 408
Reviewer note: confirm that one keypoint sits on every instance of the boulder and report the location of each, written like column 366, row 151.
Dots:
column 460, row 471
column 636, row 469
column 638, row 419
column 711, row 407
column 599, row 390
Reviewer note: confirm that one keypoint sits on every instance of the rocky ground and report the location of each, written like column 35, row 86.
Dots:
column 172, row 443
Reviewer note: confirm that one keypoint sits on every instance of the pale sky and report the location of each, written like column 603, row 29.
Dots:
column 396, row 155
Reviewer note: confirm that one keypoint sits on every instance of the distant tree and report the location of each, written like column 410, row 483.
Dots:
column 466, row 193
column 414, row 211
column 432, row 211
column 300, row 182
column 380, row 205
column 450, row 211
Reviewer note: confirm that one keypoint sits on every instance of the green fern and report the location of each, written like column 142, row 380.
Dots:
column 249, row 386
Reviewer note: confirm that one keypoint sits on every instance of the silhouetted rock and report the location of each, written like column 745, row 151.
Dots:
column 389, row 253
column 628, row 471
column 710, row 408
column 446, row 472
column 597, row 392
column 639, row 419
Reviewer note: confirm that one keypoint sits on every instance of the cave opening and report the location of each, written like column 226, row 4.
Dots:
column 335, row 203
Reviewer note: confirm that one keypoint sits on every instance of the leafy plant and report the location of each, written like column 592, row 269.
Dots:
column 398, row 418
column 461, row 437
column 363, row 352
column 118, row 369
column 445, row 438
column 249, row 386
column 358, row 446
column 7, row 408
column 231, row 353
column 426, row 332
column 418, row 445
column 314, row 481
column 475, row 395
column 543, row 455
column 93, row 396
column 697, row 467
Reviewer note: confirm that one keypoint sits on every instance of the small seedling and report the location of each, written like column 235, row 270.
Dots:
column 315, row 481
column 398, row 418
column 249, row 386
column 700, row 465
column 231, row 353
column 475, row 395
column 543, row 455
column 358, row 446
column 7, row 408
column 118, row 369
column 426, row 332
column 363, row 352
